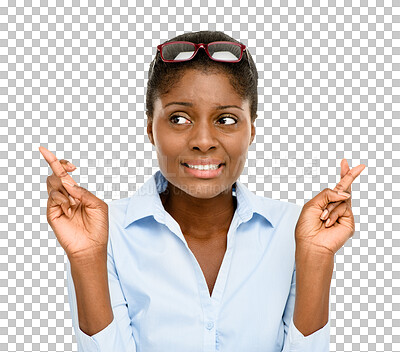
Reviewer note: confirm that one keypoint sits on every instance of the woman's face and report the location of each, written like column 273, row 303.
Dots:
column 201, row 118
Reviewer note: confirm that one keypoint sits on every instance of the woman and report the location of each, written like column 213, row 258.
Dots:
column 194, row 261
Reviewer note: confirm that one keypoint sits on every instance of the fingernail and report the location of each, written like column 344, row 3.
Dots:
column 72, row 200
column 344, row 194
column 325, row 213
column 327, row 222
column 65, row 182
column 69, row 212
column 70, row 164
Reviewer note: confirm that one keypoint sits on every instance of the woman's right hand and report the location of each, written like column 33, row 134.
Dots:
column 78, row 218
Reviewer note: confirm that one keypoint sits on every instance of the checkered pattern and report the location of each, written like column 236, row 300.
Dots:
column 72, row 78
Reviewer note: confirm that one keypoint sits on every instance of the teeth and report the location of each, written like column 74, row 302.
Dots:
column 203, row 167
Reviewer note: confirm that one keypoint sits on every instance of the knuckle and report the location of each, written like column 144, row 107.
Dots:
column 309, row 204
column 52, row 179
column 48, row 180
column 55, row 161
column 332, row 215
column 65, row 163
column 330, row 207
column 55, row 183
column 49, row 190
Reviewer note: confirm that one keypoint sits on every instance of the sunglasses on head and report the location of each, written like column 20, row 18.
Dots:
column 180, row 51
column 217, row 51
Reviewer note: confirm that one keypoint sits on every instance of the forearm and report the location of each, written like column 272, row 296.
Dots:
column 313, row 281
column 92, row 292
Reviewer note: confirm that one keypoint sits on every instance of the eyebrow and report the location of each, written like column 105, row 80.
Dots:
column 220, row 107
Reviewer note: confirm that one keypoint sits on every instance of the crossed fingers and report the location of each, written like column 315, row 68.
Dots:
column 56, row 166
column 346, row 181
column 344, row 185
column 60, row 172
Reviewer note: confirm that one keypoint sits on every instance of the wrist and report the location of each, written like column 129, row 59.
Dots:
column 307, row 258
column 89, row 257
column 313, row 252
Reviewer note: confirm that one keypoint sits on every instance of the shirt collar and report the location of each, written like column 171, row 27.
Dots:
column 146, row 202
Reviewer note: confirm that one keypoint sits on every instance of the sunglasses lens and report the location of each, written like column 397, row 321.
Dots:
column 225, row 51
column 178, row 51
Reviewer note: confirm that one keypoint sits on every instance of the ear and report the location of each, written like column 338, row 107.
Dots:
column 253, row 132
column 150, row 129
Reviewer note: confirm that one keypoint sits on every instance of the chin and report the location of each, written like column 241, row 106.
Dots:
column 204, row 191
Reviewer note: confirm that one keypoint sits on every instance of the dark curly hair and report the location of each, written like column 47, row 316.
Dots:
column 163, row 75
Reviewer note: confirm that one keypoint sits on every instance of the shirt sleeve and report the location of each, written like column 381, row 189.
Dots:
column 294, row 340
column 117, row 336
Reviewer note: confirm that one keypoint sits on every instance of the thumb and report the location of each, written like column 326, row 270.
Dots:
column 83, row 195
column 329, row 196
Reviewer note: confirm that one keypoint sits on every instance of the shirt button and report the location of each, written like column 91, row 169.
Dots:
column 209, row 325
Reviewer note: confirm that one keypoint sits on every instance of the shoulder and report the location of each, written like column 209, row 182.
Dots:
column 281, row 204
column 117, row 209
column 281, row 212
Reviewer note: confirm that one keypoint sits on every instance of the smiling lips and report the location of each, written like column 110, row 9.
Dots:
column 203, row 164
column 204, row 168
column 197, row 162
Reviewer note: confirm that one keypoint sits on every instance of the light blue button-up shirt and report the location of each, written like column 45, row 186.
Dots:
column 160, row 298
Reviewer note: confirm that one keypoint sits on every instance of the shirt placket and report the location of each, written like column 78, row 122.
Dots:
column 210, row 305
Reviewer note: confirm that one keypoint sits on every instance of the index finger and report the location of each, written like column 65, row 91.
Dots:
column 344, row 169
column 55, row 165
column 348, row 179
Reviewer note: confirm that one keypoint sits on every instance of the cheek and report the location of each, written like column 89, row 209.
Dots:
column 240, row 143
column 238, row 153
column 168, row 148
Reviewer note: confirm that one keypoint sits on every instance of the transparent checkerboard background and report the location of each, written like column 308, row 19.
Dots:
column 73, row 78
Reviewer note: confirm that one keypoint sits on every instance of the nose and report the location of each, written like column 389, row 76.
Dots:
column 203, row 136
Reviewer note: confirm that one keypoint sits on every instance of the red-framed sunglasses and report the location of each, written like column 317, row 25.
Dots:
column 218, row 51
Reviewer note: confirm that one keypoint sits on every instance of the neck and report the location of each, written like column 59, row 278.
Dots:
column 198, row 218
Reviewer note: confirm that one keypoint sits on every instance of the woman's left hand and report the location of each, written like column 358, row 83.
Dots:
column 313, row 232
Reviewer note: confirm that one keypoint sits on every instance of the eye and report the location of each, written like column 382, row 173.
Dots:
column 174, row 118
column 228, row 117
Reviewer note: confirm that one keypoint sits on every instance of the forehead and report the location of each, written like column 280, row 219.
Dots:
column 199, row 87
